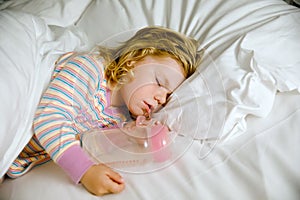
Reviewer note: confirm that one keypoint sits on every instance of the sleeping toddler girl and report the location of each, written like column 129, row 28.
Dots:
column 90, row 90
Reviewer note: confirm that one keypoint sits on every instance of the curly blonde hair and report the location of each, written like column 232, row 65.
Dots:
column 155, row 41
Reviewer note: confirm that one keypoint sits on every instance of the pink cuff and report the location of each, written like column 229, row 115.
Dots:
column 75, row 162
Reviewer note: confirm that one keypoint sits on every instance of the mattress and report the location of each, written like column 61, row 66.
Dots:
column 239, row 111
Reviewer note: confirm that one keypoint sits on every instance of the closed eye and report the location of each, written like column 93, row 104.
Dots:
column 157, row 81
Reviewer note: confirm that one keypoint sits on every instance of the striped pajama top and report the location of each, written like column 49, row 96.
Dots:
column 76, row 101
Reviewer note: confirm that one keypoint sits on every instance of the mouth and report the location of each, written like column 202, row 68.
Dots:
column 148, row 108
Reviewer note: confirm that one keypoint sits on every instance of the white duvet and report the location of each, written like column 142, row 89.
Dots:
column 252, row 54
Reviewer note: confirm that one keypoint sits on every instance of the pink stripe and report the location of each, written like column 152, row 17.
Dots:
column 50, row 129
column 58, row 146
column 79, row 75
column 82, row 62
column 66, row 79
column 54, row 96
column 60, row 88
column 39, row 133
column 71, row 92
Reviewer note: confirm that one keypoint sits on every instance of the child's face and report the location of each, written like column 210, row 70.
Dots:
column 154, row 79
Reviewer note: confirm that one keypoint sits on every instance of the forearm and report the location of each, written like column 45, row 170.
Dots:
column 71, row 90
column 57, row 134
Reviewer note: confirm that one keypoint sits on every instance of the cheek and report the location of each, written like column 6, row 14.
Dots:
column 146, row 90
column 141, row 93
column 135, row 101
column 135, row 91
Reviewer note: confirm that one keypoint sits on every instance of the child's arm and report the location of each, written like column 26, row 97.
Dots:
column 54, row 123
column 73, row 85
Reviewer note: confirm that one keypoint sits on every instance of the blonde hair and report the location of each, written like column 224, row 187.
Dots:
column 155, row 41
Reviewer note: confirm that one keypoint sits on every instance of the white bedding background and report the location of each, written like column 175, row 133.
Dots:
column 252, row 60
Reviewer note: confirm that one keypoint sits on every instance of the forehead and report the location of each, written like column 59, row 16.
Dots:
column 166, row 70
column 162, row 63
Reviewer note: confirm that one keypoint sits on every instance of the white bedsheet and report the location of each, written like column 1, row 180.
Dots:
column 243, row 113
column 261, row 164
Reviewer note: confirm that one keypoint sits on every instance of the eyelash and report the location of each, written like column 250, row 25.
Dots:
column 157, row 81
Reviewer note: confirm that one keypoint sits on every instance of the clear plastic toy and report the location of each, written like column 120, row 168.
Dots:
column 139, row 146
column 145, row 145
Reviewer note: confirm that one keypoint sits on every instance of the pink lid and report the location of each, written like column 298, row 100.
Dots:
column 158, row 141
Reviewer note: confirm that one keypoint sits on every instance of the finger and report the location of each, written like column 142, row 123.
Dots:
column 114, row 176
column 116, row 187
column 117, row 182
column 112, row 186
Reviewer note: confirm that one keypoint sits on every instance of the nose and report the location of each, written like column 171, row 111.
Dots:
column 161, row 95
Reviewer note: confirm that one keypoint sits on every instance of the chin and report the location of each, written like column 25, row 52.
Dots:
column 135, row 112
column 132, row 115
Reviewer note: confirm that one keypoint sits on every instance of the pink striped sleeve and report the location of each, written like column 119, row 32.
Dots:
column 71, row 90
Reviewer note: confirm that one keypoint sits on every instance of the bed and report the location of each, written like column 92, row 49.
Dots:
column 240, row 111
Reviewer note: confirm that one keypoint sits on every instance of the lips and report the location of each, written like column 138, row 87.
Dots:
column 147, row 109
column 147, row 106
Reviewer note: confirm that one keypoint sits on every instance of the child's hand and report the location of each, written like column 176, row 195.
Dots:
column 100, row 179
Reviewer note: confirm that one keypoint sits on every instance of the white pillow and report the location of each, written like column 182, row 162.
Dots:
column 55, row 12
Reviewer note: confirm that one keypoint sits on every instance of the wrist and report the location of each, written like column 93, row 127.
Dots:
column 75, row 162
